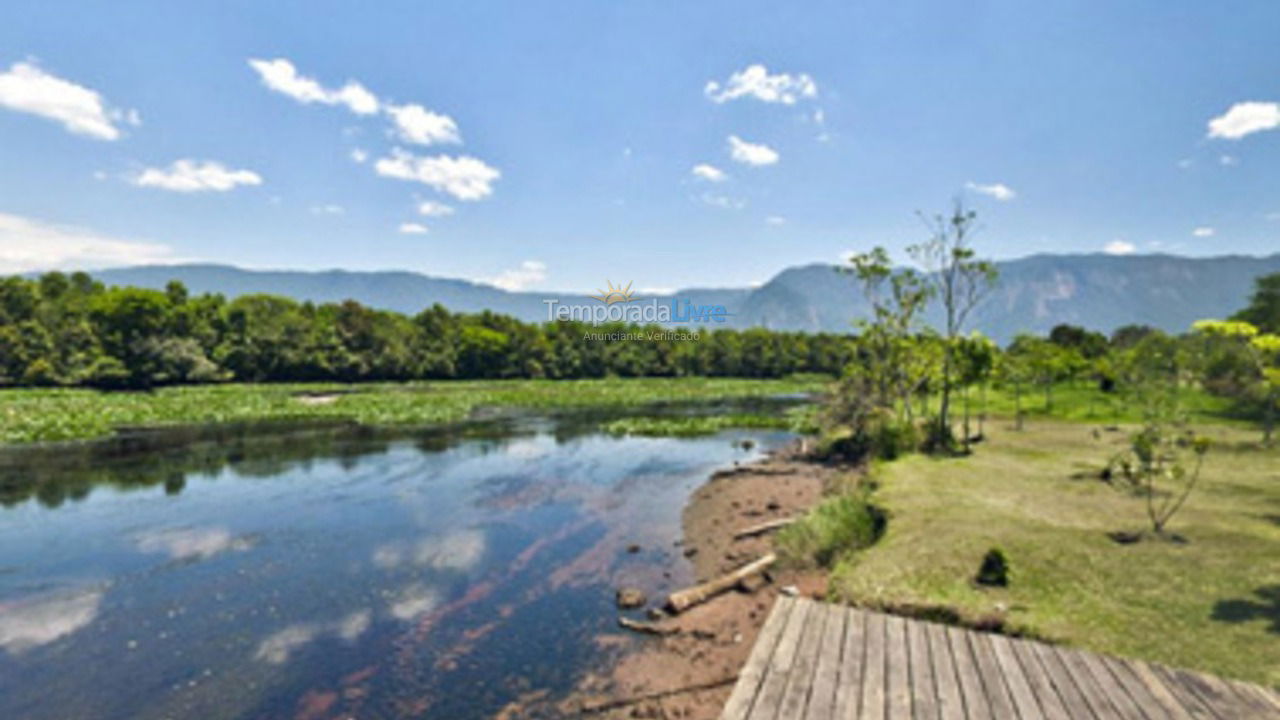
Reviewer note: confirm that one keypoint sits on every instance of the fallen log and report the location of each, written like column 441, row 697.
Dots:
column 646, row 627
column 763, row 528
column 678, row 602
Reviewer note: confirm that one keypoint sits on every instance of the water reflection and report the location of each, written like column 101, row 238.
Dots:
column 39, row 620
column 191, row 543
column 234, row 573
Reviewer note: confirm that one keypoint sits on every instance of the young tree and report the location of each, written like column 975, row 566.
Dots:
column 975, row 360
column 886, row 341
column 959, row 280
column 1263, row 352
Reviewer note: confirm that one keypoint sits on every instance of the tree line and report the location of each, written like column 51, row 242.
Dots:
column 70, row 330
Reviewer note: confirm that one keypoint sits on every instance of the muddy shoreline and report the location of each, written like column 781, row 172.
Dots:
column 689, row 671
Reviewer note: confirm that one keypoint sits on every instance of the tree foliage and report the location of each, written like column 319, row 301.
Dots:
column 63, row 329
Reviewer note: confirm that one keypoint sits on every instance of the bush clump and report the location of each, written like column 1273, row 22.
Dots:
column 994, row 571
column 835, row 528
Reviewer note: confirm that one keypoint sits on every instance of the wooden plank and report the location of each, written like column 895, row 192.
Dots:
column 976, row 704
column 1268, row 699
column 774, row 684
column 873, row 688
column 1189, row 698
column 924, row 690
column 852, row 662
column 1147, row 702
column 748, row 685
column 1024, row 700
column 989, row 671
column 796, row 696
column 1073, row 699
column 950, row 698
column 1116, row 693
column 897, row 669
column 1051, row 706
column 826, row 674
column 1093, row 694
column 1173, row 707
column 1233, row 701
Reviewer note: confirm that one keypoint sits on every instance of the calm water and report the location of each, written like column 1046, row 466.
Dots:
column 331, row 572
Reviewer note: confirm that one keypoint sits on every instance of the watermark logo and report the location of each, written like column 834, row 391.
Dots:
column 614, row 295
column 620, row 305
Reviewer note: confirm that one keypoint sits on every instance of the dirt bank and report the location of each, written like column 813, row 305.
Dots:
column 711, row 641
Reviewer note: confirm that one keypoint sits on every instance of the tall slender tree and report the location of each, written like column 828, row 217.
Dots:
column 960, row 281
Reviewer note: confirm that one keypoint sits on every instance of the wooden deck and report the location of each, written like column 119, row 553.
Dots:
column 817, row 661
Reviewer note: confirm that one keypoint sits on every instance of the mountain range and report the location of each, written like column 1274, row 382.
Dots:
column 1033, row 294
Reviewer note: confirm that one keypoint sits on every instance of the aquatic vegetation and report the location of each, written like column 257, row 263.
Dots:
column 39, row 415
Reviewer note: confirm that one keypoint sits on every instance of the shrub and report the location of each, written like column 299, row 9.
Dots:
column 890, row 438
column 939, row 438
column 994, row 570
column 836, row 527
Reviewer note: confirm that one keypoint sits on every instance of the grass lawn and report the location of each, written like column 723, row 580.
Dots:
column 1212, row 603
column 30, row 415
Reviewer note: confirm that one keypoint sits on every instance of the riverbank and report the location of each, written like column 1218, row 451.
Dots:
column 60, row 414
column 689, row 672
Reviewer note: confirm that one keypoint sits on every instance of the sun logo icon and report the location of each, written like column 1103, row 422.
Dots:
column 614, row 294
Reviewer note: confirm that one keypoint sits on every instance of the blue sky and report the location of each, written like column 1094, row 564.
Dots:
column 563, row 136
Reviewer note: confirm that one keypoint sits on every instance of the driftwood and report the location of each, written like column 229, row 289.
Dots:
column 682, row 600
column 645, row 627
column 762, row 528
column 592, row 708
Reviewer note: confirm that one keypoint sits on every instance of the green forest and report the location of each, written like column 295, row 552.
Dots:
column 69, row 330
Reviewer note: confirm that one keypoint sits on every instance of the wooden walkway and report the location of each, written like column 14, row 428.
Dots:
column 815, row 661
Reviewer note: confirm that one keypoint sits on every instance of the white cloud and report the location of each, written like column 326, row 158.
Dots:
column 710, row 173
column 281, row 76
column 191, row 543
column 27, row 245
column 31, row 623
column 723, row 202
column 412, row 228
column 188, row 176
column 27, row 88
column 1203, row 232
column 463, row 177
column 1244, row 119
column 278, row 646
column 359, row 156
column 413, row 601
column 1185, row 163
column 657, row 291
column 1228, row 160
column 1119, row 247
column 416, row 124
column 750, row 153
column 327, row 210
column 756, row 82
column 529, row 273
column 775, row 220
column 430, row 208
column 999, row 191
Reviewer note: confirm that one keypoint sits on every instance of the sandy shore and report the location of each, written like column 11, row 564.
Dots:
column 689, row 673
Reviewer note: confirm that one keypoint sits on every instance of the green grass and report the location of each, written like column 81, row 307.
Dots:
column 1084, row 402
column 28, row 416
column 831, row 531
column 1212, row 603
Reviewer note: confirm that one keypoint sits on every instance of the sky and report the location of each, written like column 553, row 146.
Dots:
column 554, row 145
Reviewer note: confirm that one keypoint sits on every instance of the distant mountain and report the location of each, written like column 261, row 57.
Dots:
column 1034, row 293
